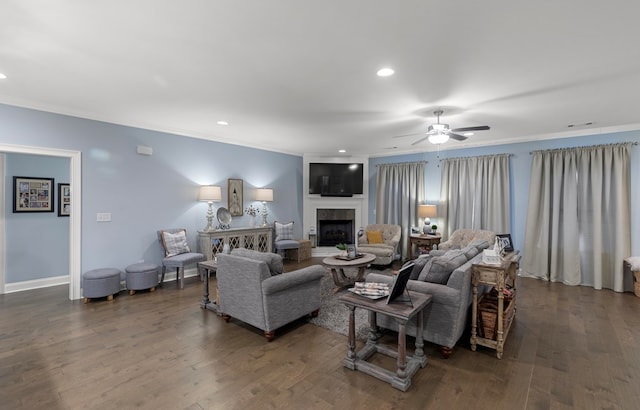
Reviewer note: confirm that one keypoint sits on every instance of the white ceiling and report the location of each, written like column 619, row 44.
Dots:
column 300, row 76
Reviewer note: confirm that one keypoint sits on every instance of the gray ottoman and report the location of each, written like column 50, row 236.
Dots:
column 99, row 283
column 142, row 276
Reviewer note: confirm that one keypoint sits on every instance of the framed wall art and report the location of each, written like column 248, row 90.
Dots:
column 234, row 197
column 33, row 194
column 64, row 200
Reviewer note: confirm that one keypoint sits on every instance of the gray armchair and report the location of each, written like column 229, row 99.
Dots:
column 177, row 254
column 253, row 289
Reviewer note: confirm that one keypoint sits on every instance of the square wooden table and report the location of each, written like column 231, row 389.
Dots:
column 401, row 312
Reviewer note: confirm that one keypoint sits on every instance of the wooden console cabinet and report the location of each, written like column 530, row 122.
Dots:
column 498, row 276
column 258, row 238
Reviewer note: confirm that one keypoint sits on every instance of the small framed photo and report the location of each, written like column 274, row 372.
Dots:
column 505, row 240
column 64, row 200
column 33, row 194
column 351, row 251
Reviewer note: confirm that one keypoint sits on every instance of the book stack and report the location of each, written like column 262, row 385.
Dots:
column 371, row 290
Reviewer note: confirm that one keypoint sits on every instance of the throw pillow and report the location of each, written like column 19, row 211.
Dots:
column 284, row 231
column 374, row 237
column 175, row 243
column 479, row 243
column 470, row 251
column 418, row 265
column 439, row 268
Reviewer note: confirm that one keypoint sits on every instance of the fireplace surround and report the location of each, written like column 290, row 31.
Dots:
column 335, row 226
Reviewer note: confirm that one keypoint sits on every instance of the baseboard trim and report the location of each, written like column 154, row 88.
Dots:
column 36, row 284
column 64, row 280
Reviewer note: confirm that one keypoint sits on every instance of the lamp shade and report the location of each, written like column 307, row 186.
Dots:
column 426, row 211
column 210, row 193
column 264, row 194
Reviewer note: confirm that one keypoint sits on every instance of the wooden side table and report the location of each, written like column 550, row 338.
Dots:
column 337, row 269
column 422, row 241
column 498, row 276
column 207, row 267
column 407, row 366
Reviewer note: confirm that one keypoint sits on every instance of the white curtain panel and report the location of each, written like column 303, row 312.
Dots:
column 475, row 194
column 400, row 189
column 579, row 216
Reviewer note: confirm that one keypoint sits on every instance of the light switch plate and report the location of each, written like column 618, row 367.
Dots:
column 103, row 217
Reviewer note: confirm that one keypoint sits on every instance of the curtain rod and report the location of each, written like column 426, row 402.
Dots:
column 586, row 146
column 402, row 163
column 480, row 156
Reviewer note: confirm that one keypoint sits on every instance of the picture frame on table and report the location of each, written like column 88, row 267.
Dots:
column 505, row 240
column 31, row 194
column 234, row 197
column 351, row 251
column 64, row 199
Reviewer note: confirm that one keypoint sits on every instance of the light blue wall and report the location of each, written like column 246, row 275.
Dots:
column 520, row 175
column 146, row 193
column 37, row 243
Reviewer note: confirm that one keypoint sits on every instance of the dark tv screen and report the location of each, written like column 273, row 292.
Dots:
column 333, row 179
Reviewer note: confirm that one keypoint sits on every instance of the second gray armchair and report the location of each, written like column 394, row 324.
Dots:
column 253, row 289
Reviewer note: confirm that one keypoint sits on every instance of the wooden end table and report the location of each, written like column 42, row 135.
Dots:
column 498, row 276
column 401, row 312
column 207, row 267
column 422, row 241
column 337, row 269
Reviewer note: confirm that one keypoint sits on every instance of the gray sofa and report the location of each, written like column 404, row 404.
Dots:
column 252, row 288
column 447, row 277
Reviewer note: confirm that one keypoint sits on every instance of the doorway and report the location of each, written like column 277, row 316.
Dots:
column 75, row 233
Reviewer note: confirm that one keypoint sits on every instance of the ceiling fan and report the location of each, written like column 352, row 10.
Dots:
column 440, row 133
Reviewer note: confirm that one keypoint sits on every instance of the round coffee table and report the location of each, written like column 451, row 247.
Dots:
column 337, row 269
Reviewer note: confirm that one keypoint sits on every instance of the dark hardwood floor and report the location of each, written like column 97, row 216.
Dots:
column 569, row 347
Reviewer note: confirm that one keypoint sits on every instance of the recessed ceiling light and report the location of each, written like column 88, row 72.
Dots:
column 385, row 72
column 2, row 76
column 342, row 151
column 222, row 123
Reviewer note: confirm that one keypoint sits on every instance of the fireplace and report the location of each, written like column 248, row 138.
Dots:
column 335, row 226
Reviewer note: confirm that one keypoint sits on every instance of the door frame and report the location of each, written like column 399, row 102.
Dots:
column 75, row 219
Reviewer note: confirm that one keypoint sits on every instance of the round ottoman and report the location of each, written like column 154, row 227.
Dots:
column 142, row 276
column 99, row 283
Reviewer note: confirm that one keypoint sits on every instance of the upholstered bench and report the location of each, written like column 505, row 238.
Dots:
column 142, row 276
column 99, row 283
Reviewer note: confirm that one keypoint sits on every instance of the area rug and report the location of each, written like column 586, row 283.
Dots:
column 334, row 315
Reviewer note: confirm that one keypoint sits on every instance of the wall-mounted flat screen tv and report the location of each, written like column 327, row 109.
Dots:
column 333, row 179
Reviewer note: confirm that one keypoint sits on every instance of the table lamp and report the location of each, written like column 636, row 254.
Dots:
column 427, row 212
column 264, row 195
column 210, row 194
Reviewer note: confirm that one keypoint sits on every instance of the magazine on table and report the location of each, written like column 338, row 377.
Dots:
column 371, row 290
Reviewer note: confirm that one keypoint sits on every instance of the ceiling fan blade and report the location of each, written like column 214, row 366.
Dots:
column 408, row 135
column 457, row 137
column 420, row 140
column 478, row 128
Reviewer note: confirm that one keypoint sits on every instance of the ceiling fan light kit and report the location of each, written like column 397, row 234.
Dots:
column 440, row 133
column 438, row 138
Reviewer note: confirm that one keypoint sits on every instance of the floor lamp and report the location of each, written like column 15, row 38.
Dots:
column 210, row 194
column 264, row 195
